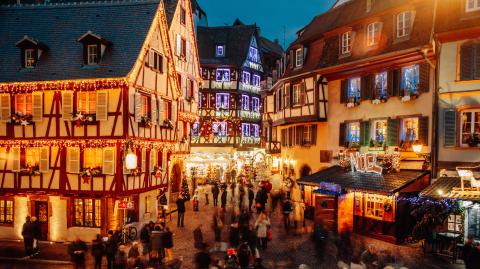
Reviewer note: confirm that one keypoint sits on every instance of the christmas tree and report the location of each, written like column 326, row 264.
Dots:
column 184, row 192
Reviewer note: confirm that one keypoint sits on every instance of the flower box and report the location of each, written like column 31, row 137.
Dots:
column 18, row 118
column 83, row 119
column 168, row 123
column 145, row 122
column 30, row 170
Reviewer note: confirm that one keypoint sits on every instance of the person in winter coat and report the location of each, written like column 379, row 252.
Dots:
column 156, row 242
column 224, row 199
column 251, row 197
column 261, row 199
column 98, row 250
column 244, row 223
column 202, row 259
column 37, row 234
column 471, row 254
column 217, row 224
column 168, row 243
column 215, row 193
column 262, row 225
column 244, row 254
column 28, row 233
column 231, row 260
column 198, row 238
column 206, row 190
column 180, row 211
column 110, row 250
column 286, row 210
column 234, row 234
column 134, row 252
column 77, row 251
column 121, row 258
column 145, row 238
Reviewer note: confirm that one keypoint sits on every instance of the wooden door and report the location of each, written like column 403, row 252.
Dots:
column 41, row 212
column 326, row 211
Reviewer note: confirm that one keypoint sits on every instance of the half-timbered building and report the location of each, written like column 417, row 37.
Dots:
column 80, row 90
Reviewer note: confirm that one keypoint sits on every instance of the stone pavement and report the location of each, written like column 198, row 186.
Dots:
column 287, row 250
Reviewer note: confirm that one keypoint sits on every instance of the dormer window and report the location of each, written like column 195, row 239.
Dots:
column 346, row 42
column 373, row 33
column 31, row 50
column 220, row 51
column 404, row 24
column 92, row 54
column 93, row 47
column 29, row 58
column 298, row 57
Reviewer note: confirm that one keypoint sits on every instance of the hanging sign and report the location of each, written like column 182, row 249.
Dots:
column 126, row 205
column 365, row 163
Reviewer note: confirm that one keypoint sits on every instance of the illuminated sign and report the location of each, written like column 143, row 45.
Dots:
column 253, row 65
column 365, row 163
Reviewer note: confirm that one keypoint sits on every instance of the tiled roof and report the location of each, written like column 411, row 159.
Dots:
column 170, row 7
column 124, row 23
column 269, row 46
column 235, row 38
column 386, row 183
column 449, row 187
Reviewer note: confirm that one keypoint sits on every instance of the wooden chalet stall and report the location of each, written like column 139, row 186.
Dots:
column 75, row 99
column 363, row 202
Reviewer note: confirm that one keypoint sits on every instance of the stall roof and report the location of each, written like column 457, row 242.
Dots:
column 385, row 183
column 442, row 188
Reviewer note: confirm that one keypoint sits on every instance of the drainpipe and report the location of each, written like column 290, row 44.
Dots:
column 435, row 125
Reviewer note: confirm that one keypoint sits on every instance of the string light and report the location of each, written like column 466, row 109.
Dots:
column 187, row 117
column 59, row 85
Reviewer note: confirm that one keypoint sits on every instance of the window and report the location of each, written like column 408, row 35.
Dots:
column 374, row 206
column 470, row 120
column 410, row 79
column 381, row 86
column 296, row 94
column 145, row 106
column 222, row 74
column 6, row 211
column 92, row 157
column 346, row 42
column 255, row 104
column 86, row 102
column 369, row 5
column 353, row 132
column 195, row 129
column 156, row 61
column 219, row 128
column 223, row 101
column 353, row 90
column 23, row 104
column 253, row 55
column 379, row 131
column 29, row 58
column 472, row 5
column 410, row 129
column 307, row 135
column 32, row 156
column 245, row 77
column 148, row 204
column 183, row 16
column 256, row 80
column 256, row 130
column 298, row 57
column 373, row 33
column 87, row 212
column 470, row 61
column 454, row 223
column 184, row 48
column 220, row 51
column 404, row 24
column 167, row 109
column 245, row 103
column 245, row 129
column 92, row 55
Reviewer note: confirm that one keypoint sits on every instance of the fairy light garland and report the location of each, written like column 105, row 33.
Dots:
column 71, row 85
column 188, row 117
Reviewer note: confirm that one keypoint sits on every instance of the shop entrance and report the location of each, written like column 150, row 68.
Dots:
column 41, row 213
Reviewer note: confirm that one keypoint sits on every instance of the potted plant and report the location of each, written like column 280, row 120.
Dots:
column 21, row 119
column 146, row 122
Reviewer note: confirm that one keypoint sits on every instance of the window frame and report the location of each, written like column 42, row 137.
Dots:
column 403, row 87
column 27, row 103
column 246, row 74
column 346, row 40
column 98, row 154
column 220, row 71
column 349, row 130
column 297, row 88
column 253, row 55
column 246, row 129
column 374, row 206
column 32, row 153
column 476, row 6
column 146, row 103
column 256, row 80
column 382, row 92
column 219, row 105
column 157, row 59
column 358, row 92
column 255, row 104
column 95, row 214
column 6, row 213
column 224, row 130
column 472, row 112
column 89, row 100
column 384, row 132
column 220, row 51
column 307, row 134
column 403, row 29
column 403, row 132
column 92, row 55
column 298, row 57
column 255, row 129
column 29, row 58
column 195, row 131
column 245, row 102
column 373, row 33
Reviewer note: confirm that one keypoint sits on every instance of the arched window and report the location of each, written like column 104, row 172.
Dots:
column 470, row 61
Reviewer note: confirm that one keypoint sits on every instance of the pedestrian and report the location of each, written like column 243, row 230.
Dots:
column 241, row 196
column 252, row 239
column 121, row 257
column 215, row 193
column 206, row 190
column 196, row 201
column 145, row 238
column 234, row 234
column 180, row 211
column 231, row 259
column 244, row 254
column 262, row 224
column 28, row 234
column 198, row 238
column 134, row 252
column 98, row 250
column 471, row 254
column 244, row 223
column 110, row 250
column 202, row 259
column 156, row 243
column 251, row 197
column 224, row 198
column 286, row 210
column 117, row 235
column 77, row 251
column 37, row 234
column 168, row 244
column 217, row 224
column 261, row 199
column 369, row 258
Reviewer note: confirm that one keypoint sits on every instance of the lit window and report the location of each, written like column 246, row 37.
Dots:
column 470, row 120
column 195, row 129
column 298, row 57
column 381, row 86
column 92, row 158
column 32, row 156
column 219, row 128
column 92, row 55
column 220, row 51
column 6, row 211
column 245, row 77
column 472, row 5
column 410, row 79
column 145, row 106
column 156, row 61
column 353, row 132
column 410, row 129
column 379, row 131
column 245, row 103
column 255, row 104
column 245, row 129
column 87, row 212
column 307, row 135
column 86, row 102
column 222, row 100
column 23, row 104
column 455, row 223
column 148, row 204
column 253, row 55
column 346, row 42
column 256, row 130
column 167, row 109
column 183, row 16
column 374, row 206
column 296, row 94
column 29, row 58
column 256, row 80
column 404, row 23
column 373, row 33
column 353, row 90
column 222, row 74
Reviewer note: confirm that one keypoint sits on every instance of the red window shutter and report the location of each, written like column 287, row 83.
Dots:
column 303, row 94
column 343, row 91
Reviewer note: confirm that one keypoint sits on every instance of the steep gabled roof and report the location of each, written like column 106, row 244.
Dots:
column 59, row 26
column 269, row 46
column 170, row 7
column 235, row 38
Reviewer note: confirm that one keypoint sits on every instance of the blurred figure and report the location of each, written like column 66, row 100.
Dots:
column 198, row 238
column 224, row 199
column 258, row 264
column 206, row 190
column 251, row 197
column 145, row 238
column 369, row 257
column 110, row 250
column 217, row 224
column 121, row 258
column 344, row 245
column 98, row 250
column 181, row 211
column 320, row 236
column 244, row 254
column 28, row 234
column 287, row 208
column 261, row 225
column 202, row 259
column 471, row 254
column 77, row 251
column 215, row 193
column 231, row 259
column 37, row 234
column 168, row 244
column 134, row 252
column 234, row 234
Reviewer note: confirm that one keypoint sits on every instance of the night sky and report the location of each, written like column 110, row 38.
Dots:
column 270, row 15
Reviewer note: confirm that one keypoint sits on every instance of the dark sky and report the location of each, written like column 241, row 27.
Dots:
column 271, row 15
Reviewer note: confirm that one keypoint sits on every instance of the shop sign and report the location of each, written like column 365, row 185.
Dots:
column 126, row 205
column 365, row 163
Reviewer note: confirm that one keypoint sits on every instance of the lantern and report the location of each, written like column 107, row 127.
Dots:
column 131, row 161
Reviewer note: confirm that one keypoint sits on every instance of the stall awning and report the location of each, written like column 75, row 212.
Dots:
column 364, row 181
column 450, row 188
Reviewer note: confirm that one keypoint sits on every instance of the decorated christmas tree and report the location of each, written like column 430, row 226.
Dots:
column 184, row 192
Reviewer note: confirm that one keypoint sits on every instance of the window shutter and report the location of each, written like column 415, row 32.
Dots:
column 303, row 93
column 392, row 132
column 365, row 133
column 304, row 49
column 144, row 159
column 67, row 105
column 291, row 59
column 188, row 50
column 343, row 91
column 160, row 111
column 291, row 96
column 102, row 105
column 5, row 107
column 164, row 161
column 138, row 107
column 73, row 160
column 16, row 159
column 153, row 159
column 450, row 127
column 153, row 109
column 423, row 130
column 476, row 58
column 343, row 135
column 424, row 77
column 178, row 45
column 174, row 112
column 393, row 79
column 314, row 135
column 299, row 135
column 366, row 87
column 151, row 58
column 44, row 164
column 108, row 161
column 37, row 106
column 467, row 60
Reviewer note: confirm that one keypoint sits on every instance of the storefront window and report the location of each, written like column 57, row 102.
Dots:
column 374, row 206
column 470, row 126
column 410, row 129
column 410, row 79
column 455, row 223
column 87, row 212
column 6, row 211
column 353, row 133
column 379, row 131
